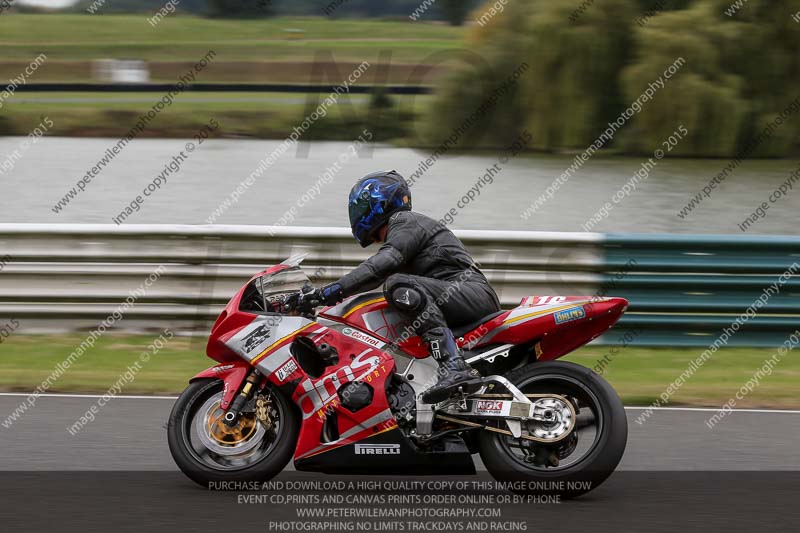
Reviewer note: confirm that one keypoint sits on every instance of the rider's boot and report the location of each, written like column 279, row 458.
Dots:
column 454, row 372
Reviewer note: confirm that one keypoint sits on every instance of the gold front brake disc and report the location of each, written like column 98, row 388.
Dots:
column 230, row 436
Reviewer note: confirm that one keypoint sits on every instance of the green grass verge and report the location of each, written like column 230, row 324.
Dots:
column 188, row 38
column 640, row 375
column 28, row 360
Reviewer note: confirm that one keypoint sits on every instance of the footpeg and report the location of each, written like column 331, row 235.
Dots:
column 469, row 386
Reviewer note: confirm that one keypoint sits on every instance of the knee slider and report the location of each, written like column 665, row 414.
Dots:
column 407, row 299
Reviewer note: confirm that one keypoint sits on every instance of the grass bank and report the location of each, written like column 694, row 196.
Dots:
column 640, row 375
column 254, row 115
column 75, row 37
column 274, row 50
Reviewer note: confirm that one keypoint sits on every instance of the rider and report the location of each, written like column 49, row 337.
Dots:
column 427, row 274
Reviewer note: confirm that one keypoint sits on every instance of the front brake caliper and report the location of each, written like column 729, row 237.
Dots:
column 263, row 405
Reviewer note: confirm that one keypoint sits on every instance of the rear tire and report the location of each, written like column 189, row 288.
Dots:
column 183, row 421
column 602, row 457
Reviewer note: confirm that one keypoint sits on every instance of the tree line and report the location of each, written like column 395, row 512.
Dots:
column 739, row 75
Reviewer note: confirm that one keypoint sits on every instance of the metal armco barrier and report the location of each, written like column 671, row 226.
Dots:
column 683, row 289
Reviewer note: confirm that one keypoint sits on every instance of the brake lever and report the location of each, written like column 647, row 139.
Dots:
column 303, row 304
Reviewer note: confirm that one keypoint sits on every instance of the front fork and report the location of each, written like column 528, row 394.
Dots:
column 239, row 381
column 235, row 410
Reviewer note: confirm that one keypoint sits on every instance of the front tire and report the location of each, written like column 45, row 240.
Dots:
column 585, row 458
column 208, row 452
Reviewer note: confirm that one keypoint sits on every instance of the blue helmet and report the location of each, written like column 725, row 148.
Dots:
column 373, row 199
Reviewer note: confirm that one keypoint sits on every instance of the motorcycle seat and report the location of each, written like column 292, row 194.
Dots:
column 460, row 331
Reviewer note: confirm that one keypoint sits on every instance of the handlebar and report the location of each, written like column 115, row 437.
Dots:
column 303, row 301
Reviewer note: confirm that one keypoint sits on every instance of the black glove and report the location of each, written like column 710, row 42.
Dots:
column 310, row 297
column 331, row 294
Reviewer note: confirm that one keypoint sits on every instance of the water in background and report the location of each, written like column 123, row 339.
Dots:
column 47, row 170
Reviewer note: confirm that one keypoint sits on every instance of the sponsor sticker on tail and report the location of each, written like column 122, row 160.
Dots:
column 568, row 315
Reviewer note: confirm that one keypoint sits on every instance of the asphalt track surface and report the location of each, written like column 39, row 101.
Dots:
column 129, row 434
column 117, row 475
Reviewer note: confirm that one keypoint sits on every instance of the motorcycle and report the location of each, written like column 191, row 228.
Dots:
column 338, row 391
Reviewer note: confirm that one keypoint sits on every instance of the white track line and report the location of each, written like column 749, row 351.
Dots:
column 716, row 410
column 55, row 395
column 633, row 408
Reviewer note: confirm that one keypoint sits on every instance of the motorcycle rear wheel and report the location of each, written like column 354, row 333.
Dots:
column 210, row 453
column 601, row 434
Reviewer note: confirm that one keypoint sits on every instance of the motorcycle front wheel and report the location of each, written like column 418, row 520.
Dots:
column 257, row 448
column 579, row 462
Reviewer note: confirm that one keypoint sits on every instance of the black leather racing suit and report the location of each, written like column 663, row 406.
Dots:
column 421, row 254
